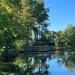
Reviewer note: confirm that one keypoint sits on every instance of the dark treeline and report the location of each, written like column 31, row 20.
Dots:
column 65, row 38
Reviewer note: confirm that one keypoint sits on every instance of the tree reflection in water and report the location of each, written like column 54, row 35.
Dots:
column 66, row 57
column 36, row 64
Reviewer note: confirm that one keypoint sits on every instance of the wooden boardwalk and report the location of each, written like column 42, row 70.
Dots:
column 37, row 48
column 35, row 51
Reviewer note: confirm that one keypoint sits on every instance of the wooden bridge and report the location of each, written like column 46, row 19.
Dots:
column 38, row 48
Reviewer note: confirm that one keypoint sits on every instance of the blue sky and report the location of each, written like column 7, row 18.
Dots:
column 61, row 13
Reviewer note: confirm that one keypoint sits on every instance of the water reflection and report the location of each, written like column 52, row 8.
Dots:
column 59, row 69
column 67, row 58
column 57, row 62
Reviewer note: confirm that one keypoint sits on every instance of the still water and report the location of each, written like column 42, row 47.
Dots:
column 58, row 69
column 56, row 62
column 63, row 63
column 60, row 62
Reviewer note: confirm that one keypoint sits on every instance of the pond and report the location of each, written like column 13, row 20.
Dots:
column 59, row 62
column 59, row 69
column 56, row 62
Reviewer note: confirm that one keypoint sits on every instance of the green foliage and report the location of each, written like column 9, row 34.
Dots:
column 17, row 20
column 19, row 17
column 66, row 37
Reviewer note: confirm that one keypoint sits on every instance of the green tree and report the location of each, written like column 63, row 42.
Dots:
column 66, row 37
column 17, row 19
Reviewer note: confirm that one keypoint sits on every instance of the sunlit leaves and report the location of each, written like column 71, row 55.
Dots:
column 66, row 37
column 5, row 6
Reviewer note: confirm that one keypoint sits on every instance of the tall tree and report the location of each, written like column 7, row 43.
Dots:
column 17, row 19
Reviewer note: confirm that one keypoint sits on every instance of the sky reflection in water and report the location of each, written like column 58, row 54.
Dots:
column 58, row 69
